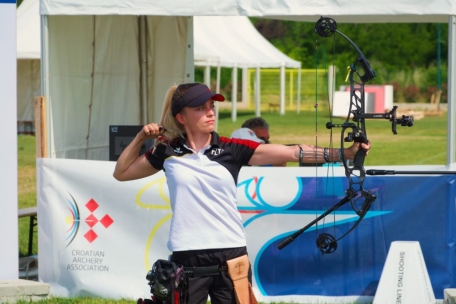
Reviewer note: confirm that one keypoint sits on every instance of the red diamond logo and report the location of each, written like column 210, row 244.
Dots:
column 106, row 221
column 92, row 205
column 90, row 236
column 91, row 220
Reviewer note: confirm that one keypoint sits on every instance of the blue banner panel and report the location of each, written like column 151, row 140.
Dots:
column 412, row 208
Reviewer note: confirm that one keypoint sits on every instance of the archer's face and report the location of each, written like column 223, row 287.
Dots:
column 200, row 119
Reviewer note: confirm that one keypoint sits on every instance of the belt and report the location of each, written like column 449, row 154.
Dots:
column 194, row 272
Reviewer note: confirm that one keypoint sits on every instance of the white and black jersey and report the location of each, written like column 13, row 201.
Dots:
column 202, row 188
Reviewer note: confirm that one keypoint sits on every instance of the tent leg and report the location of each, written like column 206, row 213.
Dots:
column 282, row 89
column 217, row 89
column 257, row 92
column 40, row 127
column 143, row 69
column 451, row 93
column 234, row 95
column 298, row 99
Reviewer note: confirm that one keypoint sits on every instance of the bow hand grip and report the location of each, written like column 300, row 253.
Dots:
column 358, row 161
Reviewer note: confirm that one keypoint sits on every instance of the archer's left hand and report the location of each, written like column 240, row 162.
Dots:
column 350, row 152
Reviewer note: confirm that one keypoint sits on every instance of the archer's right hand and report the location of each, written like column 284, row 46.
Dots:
column 151, row 130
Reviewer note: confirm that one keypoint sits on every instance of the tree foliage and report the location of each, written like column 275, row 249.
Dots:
column 396, row 51
column 404, row 45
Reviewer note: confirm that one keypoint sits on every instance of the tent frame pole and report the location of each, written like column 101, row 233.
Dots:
column 45, row 91
column 234, row 94
column 257, row 88
column 282, row 89
column 142, row 21
column 217, row 90
column 451, row 125
column 298, row 97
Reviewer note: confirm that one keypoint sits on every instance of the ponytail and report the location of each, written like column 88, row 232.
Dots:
column 168, row 121
column 173, row 128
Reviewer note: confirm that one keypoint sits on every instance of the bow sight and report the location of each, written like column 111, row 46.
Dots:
column 355, row 172
column 325, row 27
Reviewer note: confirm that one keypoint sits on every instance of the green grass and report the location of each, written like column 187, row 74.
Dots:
column 423, row 144
column 85, row 300
column 26, row 189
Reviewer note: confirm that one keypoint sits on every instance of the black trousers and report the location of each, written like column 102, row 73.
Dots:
column 219, row 287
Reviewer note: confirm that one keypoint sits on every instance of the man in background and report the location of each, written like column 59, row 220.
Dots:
column 256, row 129
column 259, row 126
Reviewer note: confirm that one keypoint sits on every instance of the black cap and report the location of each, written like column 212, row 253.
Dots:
column 195, row 97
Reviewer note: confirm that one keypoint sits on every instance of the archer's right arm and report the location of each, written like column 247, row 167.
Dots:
column 130, row 166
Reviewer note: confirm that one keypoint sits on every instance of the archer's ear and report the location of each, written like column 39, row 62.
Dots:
column 180, row 118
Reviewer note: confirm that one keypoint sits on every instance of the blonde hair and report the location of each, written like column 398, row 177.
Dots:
column 173, row 128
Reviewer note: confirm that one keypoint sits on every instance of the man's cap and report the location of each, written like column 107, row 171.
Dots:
column 246, row 133
column 196, row 96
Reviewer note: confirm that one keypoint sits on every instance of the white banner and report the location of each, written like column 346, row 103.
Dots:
column 99, row 237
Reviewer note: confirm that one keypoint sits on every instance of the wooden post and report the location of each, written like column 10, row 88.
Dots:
column 40, row 127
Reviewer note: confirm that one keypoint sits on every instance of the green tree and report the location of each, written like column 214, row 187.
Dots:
column 396, row 51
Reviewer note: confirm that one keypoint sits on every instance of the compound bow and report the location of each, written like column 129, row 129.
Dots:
column 351, row 132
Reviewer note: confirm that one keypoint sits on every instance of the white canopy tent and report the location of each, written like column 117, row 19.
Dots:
column 219, row 42
column 28, row 63
column 233, row 41
column 361, row 11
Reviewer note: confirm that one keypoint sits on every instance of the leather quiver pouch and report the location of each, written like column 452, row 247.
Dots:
column 238, row 269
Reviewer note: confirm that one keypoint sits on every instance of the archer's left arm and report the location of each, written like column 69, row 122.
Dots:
column 275, row 154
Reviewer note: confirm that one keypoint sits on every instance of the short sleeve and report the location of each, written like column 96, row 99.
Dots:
column 156, row 156
column 243, row 150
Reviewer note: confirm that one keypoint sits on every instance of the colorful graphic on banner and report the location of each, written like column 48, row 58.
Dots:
column 74, row 219
column 92, row 220
column 273, row 202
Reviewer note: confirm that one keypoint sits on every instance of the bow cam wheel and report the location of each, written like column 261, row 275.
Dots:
column 325, row 27
column 326, row 243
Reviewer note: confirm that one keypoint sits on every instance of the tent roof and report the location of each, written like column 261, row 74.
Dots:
column 366, row 11
column 218, row 40
column 28, row 30
column 233, row 40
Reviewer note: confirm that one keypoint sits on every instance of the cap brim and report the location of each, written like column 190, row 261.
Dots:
column 203, row 98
